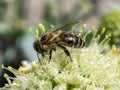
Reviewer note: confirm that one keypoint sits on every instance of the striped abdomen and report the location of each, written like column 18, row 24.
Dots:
column 72, row 40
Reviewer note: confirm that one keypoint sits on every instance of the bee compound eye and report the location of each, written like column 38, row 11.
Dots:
column 37, row 47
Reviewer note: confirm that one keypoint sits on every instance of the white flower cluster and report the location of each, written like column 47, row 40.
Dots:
column 93, row 68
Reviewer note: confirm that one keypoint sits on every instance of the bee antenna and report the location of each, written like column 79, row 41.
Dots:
column 39, row 59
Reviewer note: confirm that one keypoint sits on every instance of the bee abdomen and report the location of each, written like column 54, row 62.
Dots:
column 73, row 40
column 79, row 42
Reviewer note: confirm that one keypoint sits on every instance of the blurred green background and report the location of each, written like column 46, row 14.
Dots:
column 16, row 16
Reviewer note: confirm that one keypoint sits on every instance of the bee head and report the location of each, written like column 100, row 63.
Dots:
column 37, row 47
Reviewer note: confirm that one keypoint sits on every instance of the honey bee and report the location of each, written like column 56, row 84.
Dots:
column 59, row 37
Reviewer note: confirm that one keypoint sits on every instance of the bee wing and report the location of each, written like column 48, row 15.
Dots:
column 54, row 40
column 67, row 27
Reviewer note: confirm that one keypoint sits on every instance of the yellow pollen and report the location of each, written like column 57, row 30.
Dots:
column 114, row 48
column 37, row 33
column 16, row 83
column 103, row 30
column 107, row 36
column 42, row 27
column 118, row 75
column 60, row 31
column 6, row 75
column 3, row 66
column 105, row 46
column 32, row 73
column 84, row 26
column 7, row 85
column 81, row 31
column 30, row 29
column 52, row 26
column 22, row 69
column 89, row 31
column 91, row 79
column 35, row 64
column 98, row 37
column 95, row 31
column 10, row 68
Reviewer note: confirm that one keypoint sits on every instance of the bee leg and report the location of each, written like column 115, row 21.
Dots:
column 43, row 54
column 39, row 58
column 65, row 50
column 50, row 52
